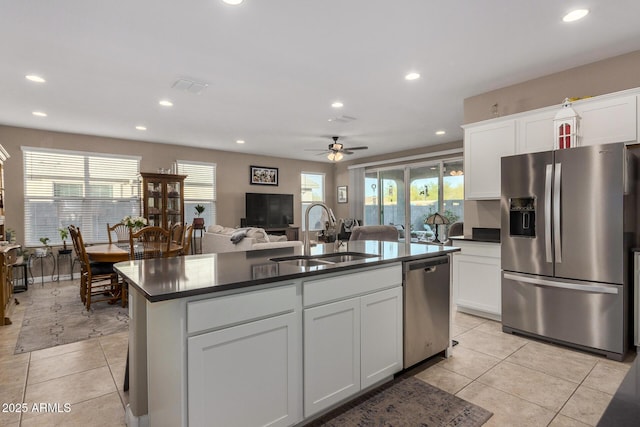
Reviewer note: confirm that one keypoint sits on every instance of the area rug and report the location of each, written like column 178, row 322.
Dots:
column 55, row 315
column 406, row 402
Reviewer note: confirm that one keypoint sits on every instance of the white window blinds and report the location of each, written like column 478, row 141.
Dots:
column 87, row 190
column 199, row 189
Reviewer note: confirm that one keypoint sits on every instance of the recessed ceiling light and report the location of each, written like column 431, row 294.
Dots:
column 39, row 114
column 34, row 78
column 574, row 15
column 233, row 2
column 412, row 76
column 140, row 127
column 165, row 103
column 337, row 104
column 440, row 132
column 239, row 141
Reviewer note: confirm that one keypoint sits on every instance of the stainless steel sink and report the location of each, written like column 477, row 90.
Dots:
column 324, row 259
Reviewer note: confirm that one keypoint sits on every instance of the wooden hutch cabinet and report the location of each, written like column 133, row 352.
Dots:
column 163, row 199
column 8, row 252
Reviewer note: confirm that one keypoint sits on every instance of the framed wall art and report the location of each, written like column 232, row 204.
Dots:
column 261, row 175
column 342, row 194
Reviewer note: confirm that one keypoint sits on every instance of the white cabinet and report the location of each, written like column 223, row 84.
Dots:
column 238, row 359
column 244, row 375
column 476, row 278
column 331, row 354
column 535, row 132
column 484, row 145
column 607, row 120
column 352, row 334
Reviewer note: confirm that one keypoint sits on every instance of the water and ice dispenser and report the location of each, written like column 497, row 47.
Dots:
column 522, row 216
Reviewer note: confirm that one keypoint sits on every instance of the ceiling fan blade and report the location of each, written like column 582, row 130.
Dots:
column 316, row 149
column 357, row 148
column 346, row 152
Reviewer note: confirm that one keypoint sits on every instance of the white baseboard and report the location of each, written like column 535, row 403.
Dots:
column 133, row 421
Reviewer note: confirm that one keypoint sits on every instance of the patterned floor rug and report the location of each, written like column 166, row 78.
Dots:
column 406, row 402
column 55, row 315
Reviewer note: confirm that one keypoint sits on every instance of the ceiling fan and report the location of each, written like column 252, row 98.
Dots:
column 336, row 150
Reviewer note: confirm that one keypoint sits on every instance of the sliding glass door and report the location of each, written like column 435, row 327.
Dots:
column 407, row 196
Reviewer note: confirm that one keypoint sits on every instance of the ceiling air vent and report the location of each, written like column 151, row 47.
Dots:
column 190, row 86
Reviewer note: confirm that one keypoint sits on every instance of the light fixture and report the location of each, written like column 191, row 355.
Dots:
column 335, row 156
column 575, row 15
column 239, row 141
column 436, row 219
column 337, row 104
column 412, row 76
column 440, row 132
column 165, row 103
column 34, row 78
column 233, row 2
column 140, row 127
column 39, row 114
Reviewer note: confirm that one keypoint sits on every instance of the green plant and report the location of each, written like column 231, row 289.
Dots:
column 64, row 235
column 199, row 209
column 45, row 241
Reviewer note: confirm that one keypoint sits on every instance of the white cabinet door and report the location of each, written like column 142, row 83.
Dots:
column 535, row 132
column 484, row 145
column 381, row 335
column 246, row 375
column 331, row 354
column 608, row 120
column 477, row 280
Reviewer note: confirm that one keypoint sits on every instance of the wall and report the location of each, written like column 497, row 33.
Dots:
column 232, row 170
column 598, row 78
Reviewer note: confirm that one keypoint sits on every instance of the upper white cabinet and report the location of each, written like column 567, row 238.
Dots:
column 607, row 120
column 535, row 132
column 484, row 145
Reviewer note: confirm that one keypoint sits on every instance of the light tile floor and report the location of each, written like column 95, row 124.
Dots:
column 523, row 382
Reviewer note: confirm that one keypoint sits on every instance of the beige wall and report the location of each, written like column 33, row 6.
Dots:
column 232, row 170
column 607, row 76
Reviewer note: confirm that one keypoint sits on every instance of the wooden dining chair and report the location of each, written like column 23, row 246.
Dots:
column 186, row 243
column 98, row 281
column 150, row 242
column 177, row 233
column 121, row 231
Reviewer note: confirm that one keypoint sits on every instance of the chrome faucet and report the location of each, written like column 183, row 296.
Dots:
column 332, row 222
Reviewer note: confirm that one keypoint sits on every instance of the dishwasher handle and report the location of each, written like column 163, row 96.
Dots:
column 429, row 265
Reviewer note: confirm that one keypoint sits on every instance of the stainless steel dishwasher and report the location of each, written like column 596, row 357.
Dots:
column 426, row 308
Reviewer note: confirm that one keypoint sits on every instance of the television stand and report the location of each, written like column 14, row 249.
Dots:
column 290, row 232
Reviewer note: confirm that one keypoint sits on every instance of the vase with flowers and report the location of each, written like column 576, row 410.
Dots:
column 135, row 223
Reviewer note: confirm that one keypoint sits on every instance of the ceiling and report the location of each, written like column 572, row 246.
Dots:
column 274, row 67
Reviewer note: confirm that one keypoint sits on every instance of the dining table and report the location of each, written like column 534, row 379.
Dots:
column 108, row 252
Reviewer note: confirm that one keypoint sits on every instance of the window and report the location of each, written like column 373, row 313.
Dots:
column 87, row 190
column 199, row 189
column 312, row 190
column 405, row 196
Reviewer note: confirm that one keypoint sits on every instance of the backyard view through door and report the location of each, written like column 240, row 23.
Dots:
column 432, row 187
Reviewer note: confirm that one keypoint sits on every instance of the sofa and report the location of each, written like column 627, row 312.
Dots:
column 217, row 239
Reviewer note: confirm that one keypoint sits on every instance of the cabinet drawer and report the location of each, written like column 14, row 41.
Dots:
column 490, row 250
column 229, row 310
column 350, row 284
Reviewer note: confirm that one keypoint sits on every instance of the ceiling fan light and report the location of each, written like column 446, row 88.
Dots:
column 331, row 156
column 338, row 156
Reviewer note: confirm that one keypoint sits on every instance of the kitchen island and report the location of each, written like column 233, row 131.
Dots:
column 239, row 339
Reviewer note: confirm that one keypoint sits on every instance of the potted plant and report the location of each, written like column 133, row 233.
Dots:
column 198, row 222
column 41, row 252
column 64, row 235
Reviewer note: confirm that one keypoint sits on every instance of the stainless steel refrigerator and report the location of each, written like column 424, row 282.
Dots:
column 567, row 227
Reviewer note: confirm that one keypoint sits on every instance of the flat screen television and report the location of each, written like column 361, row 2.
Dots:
column 268, row 210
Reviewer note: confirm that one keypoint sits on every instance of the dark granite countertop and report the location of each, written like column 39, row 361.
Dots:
column 624, row 408
column 179, row 277
column 474, row 239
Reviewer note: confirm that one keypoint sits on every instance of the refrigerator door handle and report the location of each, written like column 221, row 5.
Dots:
column 557, row 235
column 547, row 213
column 572, row 286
